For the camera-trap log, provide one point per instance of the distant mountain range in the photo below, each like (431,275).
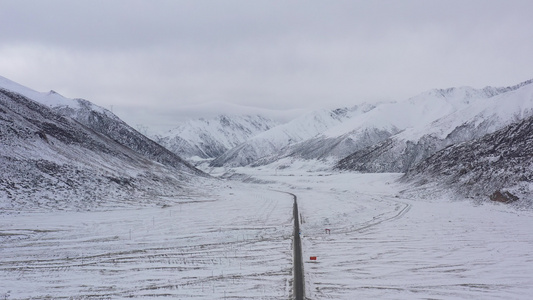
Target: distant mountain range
(295,138)
(210,138)
(384,137)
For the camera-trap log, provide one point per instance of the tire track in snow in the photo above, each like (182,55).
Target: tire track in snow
(401,213)
(190,251)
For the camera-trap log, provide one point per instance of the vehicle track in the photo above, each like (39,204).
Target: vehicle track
(378,220)
(186,251)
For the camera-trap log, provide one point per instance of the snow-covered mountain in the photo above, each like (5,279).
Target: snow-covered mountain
(336,141)
(383,137)
(50,160)
(276,142)
(333,135)
(210,138)
(480,112)
(498,166)
(102,121)
(376,124)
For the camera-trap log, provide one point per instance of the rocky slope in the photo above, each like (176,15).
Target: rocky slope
(51,161)
(104,122)
(486,111)
(498,166)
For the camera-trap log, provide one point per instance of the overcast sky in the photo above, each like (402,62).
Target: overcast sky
(158,62)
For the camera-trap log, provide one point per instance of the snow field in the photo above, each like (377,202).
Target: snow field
(234,246)
(419,251)
(384,247)
(237,245)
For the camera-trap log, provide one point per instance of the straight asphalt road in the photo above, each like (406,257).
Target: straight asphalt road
(298,264)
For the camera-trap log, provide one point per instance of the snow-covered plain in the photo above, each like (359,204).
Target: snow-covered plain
(237,244)
(382,246)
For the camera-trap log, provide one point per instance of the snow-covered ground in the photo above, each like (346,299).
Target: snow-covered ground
(237,245)
(382,246)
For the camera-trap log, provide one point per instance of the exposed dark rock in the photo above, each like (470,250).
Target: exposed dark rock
(504,197)
(501,161)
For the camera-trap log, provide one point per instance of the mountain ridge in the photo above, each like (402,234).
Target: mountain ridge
(210,138)
(358,130)
(104,122)
(278,140)
(482,116)
(51,161)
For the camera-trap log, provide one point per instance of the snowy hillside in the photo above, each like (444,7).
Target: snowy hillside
(51,161)
(497,166)
(337,141)
(210,138)
(102,121)
(375,124)
(386,137)
(276,142)
(479,112)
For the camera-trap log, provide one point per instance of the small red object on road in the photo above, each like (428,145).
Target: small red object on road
(312,258)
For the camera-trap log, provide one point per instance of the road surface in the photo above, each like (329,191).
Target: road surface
(298,265)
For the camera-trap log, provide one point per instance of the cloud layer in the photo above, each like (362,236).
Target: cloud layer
(154,61)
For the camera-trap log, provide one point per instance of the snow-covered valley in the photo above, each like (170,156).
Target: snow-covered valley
(235,242)
(90,208)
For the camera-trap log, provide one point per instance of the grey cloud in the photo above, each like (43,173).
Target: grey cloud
(158,56)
